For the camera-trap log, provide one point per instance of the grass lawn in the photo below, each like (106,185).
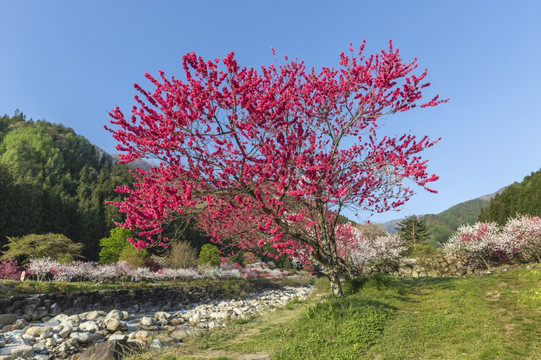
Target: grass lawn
(490,317)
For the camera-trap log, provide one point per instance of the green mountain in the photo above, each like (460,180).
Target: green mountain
(441,226)
(53,180)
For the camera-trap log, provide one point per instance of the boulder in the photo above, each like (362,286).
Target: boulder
(110,350)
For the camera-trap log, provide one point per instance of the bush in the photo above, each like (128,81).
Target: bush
(134,257)
(209,255)
(10,270)
(182,255)
(112,246)
(55,246)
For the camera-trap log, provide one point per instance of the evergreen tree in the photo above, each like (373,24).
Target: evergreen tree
(412,230)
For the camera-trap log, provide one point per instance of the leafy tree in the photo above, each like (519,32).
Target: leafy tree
(112,246)
(55,246)
(412,230)
(272,156)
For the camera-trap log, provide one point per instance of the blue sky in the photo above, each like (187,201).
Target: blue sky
(70,62)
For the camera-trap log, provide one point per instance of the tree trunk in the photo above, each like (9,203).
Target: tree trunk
(336,283)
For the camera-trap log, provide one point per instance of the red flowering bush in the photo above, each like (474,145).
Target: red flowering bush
(9,269)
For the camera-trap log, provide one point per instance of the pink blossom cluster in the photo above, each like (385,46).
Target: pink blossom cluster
(486,244)
(46,268)
(10,270)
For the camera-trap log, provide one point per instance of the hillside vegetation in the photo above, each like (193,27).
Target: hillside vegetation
(519,198)
(54,181)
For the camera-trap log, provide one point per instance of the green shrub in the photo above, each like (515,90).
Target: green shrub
(56,246)
(322,285)
(209,255)
(112,246)
(134,257)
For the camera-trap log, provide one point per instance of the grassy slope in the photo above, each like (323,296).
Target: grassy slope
(491,317)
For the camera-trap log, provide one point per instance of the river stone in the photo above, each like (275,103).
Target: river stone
(117,314)
(112,324)
(37,331)
(118,337)
(110,350)
(89,326)
(146,321)
(142,335)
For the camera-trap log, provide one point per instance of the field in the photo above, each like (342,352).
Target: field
(489,317)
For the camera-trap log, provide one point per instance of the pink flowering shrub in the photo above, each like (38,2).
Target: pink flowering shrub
(522,236)
(9,269)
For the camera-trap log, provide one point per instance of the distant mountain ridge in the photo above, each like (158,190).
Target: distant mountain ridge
(113,158)
(441,226)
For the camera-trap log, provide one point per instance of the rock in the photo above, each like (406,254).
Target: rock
(166,340)
(18,351)
(118,337)
(81,337)
(117,314)
(64,333)
(110,350)
(55,309)
(145,321)
(112,324)
(161,317)
(90,326)
(7,319)
(142,335)
(182,333)
(37,331)
(94,315)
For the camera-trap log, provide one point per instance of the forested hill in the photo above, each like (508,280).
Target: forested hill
(53,180)
(441,226)
(518,198)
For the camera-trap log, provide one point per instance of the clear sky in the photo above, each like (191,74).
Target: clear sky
(70,62)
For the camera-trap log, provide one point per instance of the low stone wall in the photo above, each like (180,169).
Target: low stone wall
(41,307)
(437,266)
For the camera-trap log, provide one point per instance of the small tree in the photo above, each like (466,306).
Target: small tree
(412,230)
(209,255)
(272,156)
(112,246)
(55,246)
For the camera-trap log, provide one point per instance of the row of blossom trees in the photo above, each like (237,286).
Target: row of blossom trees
(486,244)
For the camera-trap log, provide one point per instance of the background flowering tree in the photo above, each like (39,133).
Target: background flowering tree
(269,158)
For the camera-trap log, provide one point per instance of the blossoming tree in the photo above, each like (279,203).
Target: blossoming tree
(269,158)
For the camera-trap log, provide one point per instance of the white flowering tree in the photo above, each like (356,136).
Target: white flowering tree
(360,252)
(476,244)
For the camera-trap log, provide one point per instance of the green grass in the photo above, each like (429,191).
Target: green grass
(490,317)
